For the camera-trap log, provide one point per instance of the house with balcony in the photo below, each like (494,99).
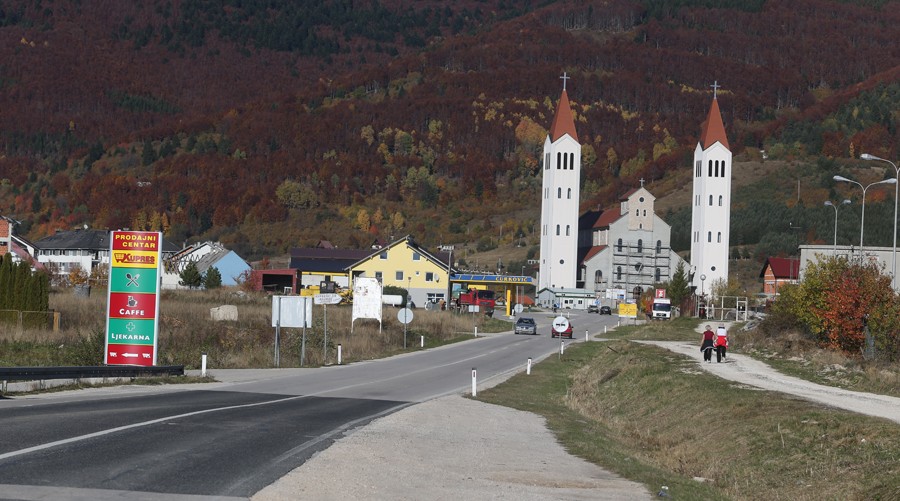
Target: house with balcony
(406,264)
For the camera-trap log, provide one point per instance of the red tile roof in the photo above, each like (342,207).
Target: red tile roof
(782,267)
(563,123)
(608,217)
(594,251)
(713,129)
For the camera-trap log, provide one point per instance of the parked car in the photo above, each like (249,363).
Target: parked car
(593,308)
(605,310)
(566,333)
(526,325)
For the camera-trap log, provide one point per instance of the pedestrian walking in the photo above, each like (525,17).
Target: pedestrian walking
(707,345)
(721,343)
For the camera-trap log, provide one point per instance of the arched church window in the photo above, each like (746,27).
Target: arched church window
(567,229)
(640,245)
(619,245)
(716,169)
(645,212)
(708,235)
(719,237)
(710,200)
(618,273)
(558,160)
(658,246)
(598,277)
(710,169)
(720,200)
(657,276)
(557,230)
(565,162)
(569,194)
(572,161)
(559,195)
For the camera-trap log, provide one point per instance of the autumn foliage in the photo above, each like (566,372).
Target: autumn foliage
(836,302)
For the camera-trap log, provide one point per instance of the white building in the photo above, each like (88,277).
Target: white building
(711,215)
(627,248)
(560,197)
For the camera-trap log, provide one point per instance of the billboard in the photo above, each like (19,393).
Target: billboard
(132,316)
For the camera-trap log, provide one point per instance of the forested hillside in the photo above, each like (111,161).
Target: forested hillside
(269,125)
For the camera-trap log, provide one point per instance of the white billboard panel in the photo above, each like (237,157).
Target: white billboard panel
(293,311)
(366,299)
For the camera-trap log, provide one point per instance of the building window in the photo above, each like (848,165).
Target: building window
(565,162)
(640,245)
(429,276)
(709,167)
(709,236)
(645,212)
(658,246)
(598,277)
(398,276)
(559,193)
(416,256)
(567,230)
(719,237)
(710,200)
(557,230)
(657,276)
(723,168)
(558,160)
(569,194)
(618,273)
(716,168)
(383,255)
(547,161)
(720,200)
(572,161)
(619,245)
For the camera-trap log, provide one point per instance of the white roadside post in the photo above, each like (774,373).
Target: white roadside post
(528,367)
(562,346)
(339,354)
(474,382)
(421,341)
(476,331)
(203,365)
(585,336)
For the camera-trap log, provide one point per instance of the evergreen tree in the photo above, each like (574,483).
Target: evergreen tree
(679,288)
(6,277)
(191,276)
(19,296)
(212,279)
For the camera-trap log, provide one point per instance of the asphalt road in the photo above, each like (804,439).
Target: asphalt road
(234,437)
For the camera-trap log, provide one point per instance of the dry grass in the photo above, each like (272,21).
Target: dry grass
(186,330)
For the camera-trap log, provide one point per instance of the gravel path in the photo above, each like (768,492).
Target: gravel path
(448,449)
(746,370)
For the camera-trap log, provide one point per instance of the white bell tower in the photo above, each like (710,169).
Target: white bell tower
(560,199)
(711,214)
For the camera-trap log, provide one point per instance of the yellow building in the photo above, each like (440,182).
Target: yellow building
(405,264)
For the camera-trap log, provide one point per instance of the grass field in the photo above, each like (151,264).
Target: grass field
(654,417)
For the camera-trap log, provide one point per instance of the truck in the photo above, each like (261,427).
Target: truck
(661,309)
(484,299)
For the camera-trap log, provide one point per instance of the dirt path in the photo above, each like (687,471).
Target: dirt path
(746,370)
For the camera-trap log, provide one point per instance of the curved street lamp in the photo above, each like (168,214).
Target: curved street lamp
(835,207)
(862,220)
(866,156)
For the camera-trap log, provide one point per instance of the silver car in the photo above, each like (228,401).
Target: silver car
(526,325)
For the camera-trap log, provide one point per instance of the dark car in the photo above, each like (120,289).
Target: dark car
(566,333)
(526,325)
(593,308)
(605,310)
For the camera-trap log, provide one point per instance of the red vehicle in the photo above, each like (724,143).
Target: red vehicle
(566,333)
(484,299)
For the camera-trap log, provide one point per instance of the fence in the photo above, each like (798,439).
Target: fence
(24,320)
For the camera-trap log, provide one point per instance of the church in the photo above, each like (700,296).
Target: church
(615,254)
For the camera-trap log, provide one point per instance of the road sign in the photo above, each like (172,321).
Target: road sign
(627,310)
(405,316)
(560,324)
(133,298)
(519,309)
(327,298)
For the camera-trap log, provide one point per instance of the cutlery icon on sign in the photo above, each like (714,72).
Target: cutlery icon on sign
(132,280)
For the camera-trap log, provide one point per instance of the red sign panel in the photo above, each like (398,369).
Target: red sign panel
(660,293)
(124,305)
(129,354)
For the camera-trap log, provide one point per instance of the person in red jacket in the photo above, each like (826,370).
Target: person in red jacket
(707,346)
(721,342)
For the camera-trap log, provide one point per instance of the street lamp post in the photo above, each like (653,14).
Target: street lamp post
(866,156)
(835,207)
(862,220)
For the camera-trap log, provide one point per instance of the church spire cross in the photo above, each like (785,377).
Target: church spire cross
(642,182)
(715,86)
(564,78)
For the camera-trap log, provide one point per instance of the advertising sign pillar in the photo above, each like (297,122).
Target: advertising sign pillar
(133,299)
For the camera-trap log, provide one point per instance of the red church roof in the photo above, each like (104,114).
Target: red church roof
(563,123)
(713,129)
(782,267)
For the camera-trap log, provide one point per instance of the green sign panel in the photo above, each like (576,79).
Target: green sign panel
(131,331)
(133,280)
